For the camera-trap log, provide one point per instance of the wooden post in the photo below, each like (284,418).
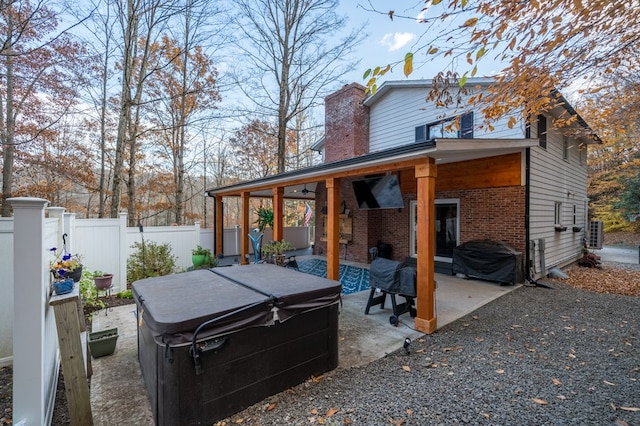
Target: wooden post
(425,320)
(244,230)
(73,353)
(333,228)
(219,225)
(278,207)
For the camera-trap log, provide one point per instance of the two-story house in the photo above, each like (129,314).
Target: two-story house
(395,172)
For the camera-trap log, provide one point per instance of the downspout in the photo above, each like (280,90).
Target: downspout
(215,224)
(527,241)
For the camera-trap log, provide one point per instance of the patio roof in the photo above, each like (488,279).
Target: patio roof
(393,159)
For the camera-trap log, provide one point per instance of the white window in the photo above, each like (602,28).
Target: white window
(565,149)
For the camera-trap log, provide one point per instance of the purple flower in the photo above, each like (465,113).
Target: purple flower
(66,257)
(53,249)
(62,272)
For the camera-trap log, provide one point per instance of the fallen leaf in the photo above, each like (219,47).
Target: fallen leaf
(238,421)
(556,382)
(347,421)
(539,401)
(571,356)
(271,406)
(486,415)
(311,419)
(399,422)
(501,371)
(479,339)
(561,397)
(332,411)
(406,368)
(608,383)
(314,411)
(621,423)
(635,409)
(320,421)
(419,351)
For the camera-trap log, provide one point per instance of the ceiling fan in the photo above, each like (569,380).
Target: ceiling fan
(305,191)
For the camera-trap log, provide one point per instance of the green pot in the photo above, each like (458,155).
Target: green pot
(200,259)
(102,343)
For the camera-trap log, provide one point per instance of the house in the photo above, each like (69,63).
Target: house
(524,185)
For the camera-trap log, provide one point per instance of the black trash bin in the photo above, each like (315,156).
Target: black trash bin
(213,342)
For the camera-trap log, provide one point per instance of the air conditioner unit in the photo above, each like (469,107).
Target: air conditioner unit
(596,234)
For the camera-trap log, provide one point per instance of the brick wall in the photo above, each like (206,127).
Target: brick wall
(492,213)
(346,123)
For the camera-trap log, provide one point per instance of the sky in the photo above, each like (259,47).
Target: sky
(389,40)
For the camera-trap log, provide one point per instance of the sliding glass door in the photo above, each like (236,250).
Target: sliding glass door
(447,229)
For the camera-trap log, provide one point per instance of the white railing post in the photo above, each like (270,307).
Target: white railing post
(29,299)
(122,279)
(196,237)
(58,213)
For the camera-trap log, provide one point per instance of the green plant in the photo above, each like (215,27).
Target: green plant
(88,291)
(277,247)
(201,251)
(150,259)
(127,294)
(265,218)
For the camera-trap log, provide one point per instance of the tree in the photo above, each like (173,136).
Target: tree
(40,76)
(290,59)
(544,45)
(253,148)
(187,91)
(141,23)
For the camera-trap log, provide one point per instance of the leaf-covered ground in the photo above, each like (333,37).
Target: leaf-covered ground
(611,279)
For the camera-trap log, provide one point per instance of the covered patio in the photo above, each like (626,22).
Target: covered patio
(417,161)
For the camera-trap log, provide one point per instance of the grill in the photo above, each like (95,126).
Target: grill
(393,278)
(488,260)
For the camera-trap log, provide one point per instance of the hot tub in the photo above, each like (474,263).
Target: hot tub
(212,342)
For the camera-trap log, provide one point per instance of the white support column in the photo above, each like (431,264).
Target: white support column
(121,282)
(29,299)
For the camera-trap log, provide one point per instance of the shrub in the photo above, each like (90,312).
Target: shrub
(88,290)
(150,260)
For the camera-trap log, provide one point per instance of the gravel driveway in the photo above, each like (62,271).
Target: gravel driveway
(535,356)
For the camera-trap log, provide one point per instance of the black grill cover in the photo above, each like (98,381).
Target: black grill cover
(390,276)
(488,260)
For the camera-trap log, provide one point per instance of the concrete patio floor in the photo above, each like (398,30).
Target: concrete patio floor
(118,395)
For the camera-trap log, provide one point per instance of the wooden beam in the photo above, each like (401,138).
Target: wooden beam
(278,207)
(425,320)
(333,228)
(355,171)
(219,226)
(244,230)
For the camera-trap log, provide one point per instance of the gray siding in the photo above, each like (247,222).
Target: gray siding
(553,179)
(395,116)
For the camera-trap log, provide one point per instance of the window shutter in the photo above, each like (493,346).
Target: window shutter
(466,126)
(421,133)
(542,130)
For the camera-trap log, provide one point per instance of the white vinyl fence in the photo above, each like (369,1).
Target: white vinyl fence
(105,245)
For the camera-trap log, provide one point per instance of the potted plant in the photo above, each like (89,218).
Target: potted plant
(102,280)
(65,265)
(201,256)
(103,343)
(276,249)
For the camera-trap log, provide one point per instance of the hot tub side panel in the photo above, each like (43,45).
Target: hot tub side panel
(253,364)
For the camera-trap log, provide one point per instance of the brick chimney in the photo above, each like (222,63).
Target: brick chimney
(346,123)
